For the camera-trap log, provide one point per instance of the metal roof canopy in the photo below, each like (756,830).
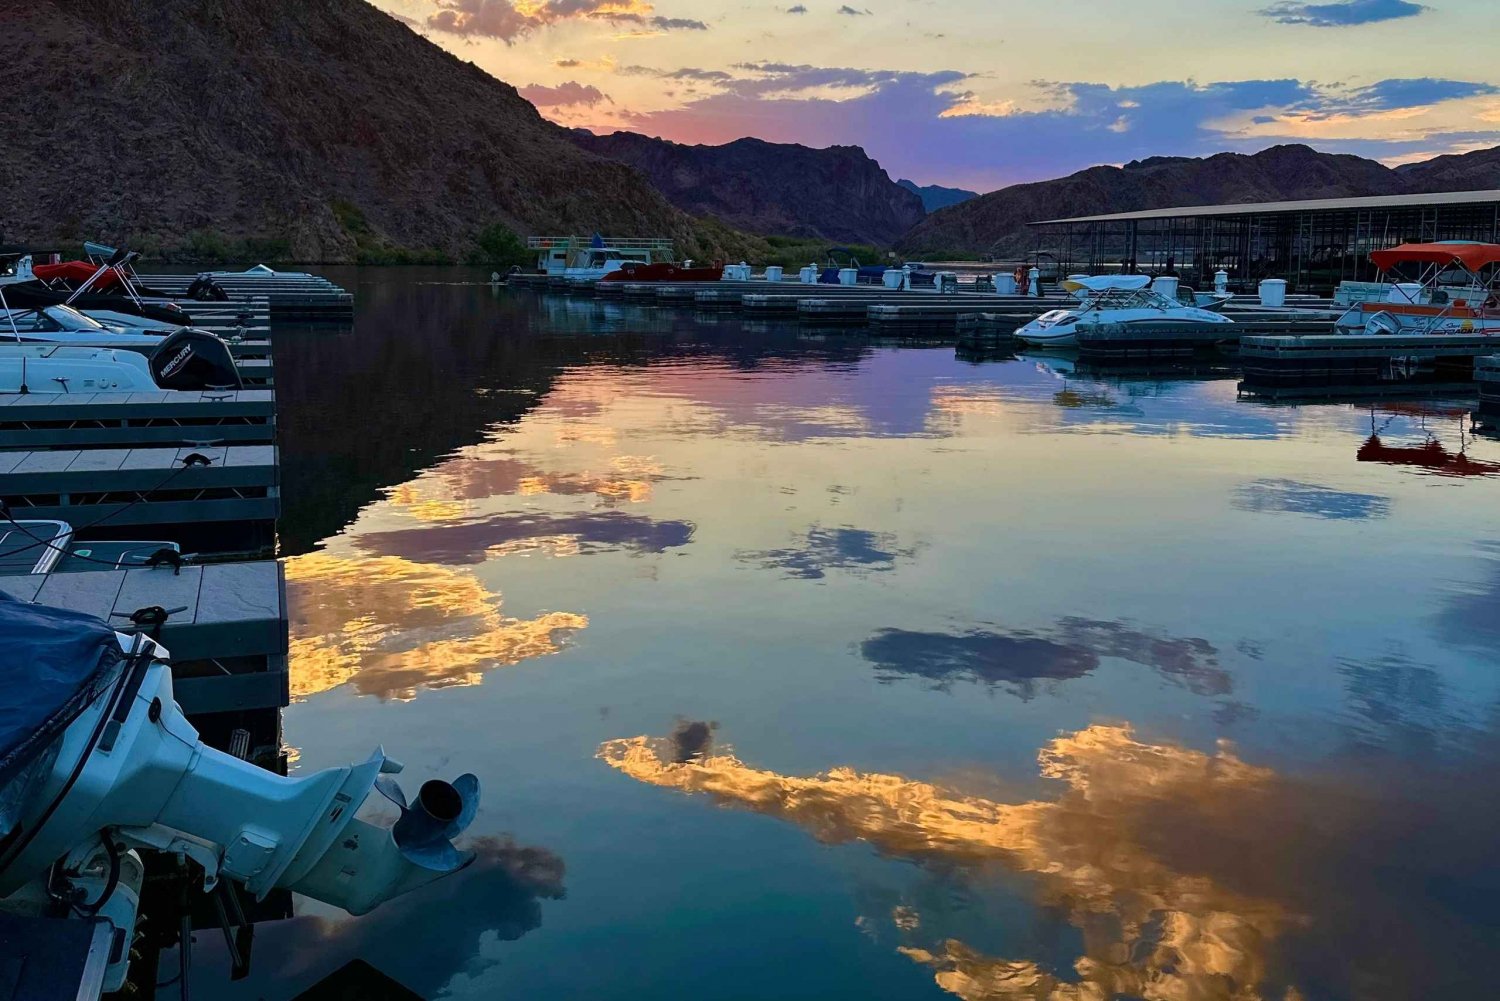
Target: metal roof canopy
(1303,205)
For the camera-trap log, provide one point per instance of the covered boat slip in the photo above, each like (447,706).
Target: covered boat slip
(215,497)
(228,643)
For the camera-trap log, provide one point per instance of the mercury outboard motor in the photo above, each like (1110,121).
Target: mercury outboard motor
(194,359)
(205,289)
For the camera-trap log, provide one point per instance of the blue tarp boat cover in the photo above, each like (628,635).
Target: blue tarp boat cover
(54,663)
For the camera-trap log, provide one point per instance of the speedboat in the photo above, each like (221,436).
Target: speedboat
(41,547)
(595,263)
(661,271)
(1455,292)
(187,359)
(1142,308)
(101,775)
(65,325)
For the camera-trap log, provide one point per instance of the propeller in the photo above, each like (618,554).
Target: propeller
(425,830)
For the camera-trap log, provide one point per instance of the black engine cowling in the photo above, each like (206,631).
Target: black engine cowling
(194,359)
(205,289)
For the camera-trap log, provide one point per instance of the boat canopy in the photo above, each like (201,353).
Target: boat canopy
(1471,255)
(56,662)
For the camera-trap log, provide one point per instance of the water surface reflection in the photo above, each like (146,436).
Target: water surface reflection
(520,526)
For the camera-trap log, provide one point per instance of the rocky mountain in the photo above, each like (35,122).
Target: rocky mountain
(935,196)
(1476,171)
(781,189)
(996,222)
(322,130)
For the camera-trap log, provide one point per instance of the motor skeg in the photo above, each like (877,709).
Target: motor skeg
(194,359)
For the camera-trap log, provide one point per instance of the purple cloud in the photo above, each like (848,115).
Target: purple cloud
(852,12)
(929,125)
(568,93)
(1341,15)
(501,19)
(799,9)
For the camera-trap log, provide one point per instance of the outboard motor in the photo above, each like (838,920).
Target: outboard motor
(205,289)
(194,359)
(98,764)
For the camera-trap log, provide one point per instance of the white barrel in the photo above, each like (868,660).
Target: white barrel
(808,275)
(1221,281)
(773,273)
(1034,282)
(1166,285)
(1273,293)
(1005,284)
(894,278)
(848,276)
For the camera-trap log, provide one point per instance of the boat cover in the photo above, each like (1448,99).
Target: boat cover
(78,272)
(1471,255)
(55,663)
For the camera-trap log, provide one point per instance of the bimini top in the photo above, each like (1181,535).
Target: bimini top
(1471,255)
(55,663)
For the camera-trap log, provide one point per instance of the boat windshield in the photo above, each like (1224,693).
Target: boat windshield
(1129,298)
(71,319)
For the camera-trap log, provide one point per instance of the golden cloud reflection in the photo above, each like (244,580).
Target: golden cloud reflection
(1149,930)
(391,626)
(444,494)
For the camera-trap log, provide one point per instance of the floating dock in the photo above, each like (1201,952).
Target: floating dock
(1487,374)
(288,295)
(228,643)
(1416,361)
(164,488)
(165,417)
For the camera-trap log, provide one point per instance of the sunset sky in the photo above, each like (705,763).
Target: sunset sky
(984,93)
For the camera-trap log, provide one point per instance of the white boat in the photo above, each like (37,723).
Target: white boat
(1457,291)
(578,258)
(99,768)
(187,359)
(65,325)
(1082,287)
(1139,307)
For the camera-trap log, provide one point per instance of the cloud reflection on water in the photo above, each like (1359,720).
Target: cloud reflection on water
(1149,930)
(1019,659)
(1293,497)
(392,627)
(423,939)
(472,541)
(855,550)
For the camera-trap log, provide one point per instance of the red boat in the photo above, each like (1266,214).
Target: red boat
(635,271)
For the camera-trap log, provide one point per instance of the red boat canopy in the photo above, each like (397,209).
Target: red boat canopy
(1471,255)
(76,273)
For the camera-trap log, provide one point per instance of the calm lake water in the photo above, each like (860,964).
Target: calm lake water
(803,666)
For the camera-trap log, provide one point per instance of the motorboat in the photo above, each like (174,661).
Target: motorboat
(1454,292)
(579,258)
(187,359)
(661,271)
(102,777)
(44,546)
(105,307)
(1081,287)
(61,324)
(1142,308)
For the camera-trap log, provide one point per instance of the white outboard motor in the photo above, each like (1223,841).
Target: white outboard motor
(105,764)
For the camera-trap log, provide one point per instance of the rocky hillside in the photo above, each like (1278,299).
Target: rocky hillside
(935,196)
(780,189)
(996,222)
(320,130)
